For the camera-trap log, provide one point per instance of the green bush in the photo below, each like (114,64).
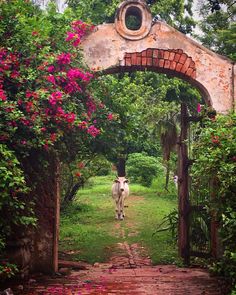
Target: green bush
(215,162)
(142,168)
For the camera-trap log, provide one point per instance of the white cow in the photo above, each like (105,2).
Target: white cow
(120,190)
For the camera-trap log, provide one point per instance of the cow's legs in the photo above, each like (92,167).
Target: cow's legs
(117,209)
(122,213)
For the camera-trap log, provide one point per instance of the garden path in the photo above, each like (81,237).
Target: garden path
(129,271)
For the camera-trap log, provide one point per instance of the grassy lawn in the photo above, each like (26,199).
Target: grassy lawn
(89,232)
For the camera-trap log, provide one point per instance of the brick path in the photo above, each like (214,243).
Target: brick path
(129,272)
(104,279)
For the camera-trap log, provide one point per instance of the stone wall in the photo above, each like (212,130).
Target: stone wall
(35,249)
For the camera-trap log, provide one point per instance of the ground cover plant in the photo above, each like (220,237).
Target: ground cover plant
(88,226)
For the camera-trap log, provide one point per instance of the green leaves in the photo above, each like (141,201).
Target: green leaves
(215,160)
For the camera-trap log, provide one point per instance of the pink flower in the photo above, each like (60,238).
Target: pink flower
(63,58)
(72,87)
(15,74)
(35,33)
(70,36)
(51,69)
(28,106)
(55,97)
(70,117)
(76,73)
(53,137)
(91,106)
(51,79)
(3,96)
(78,174)
(110,117)
(93,131)
(198,108)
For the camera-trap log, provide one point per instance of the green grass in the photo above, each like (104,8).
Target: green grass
(88,229)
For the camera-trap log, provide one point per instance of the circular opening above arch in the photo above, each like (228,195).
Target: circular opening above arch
(133,20)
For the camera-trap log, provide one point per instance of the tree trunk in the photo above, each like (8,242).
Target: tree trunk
(121,167)
(71,195)
(167,175)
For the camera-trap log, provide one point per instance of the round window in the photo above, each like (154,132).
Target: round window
(133,18)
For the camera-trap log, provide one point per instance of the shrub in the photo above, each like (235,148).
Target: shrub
(142,168)
(215,154)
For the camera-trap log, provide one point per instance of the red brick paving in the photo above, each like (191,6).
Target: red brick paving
(129,272)
(158,280)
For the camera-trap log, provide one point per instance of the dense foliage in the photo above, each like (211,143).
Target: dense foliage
(143,168)
(43,103)
(214,179)
(218,27)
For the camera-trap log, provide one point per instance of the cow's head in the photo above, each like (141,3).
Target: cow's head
(121,181)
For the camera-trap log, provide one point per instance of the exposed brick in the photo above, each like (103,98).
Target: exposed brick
(192,64)
(177,57)
(167,64)
(193,75)
(178,67)
(161,54)
(149,53)
(128,61)
(139,54)
(186,65)
(149,61)
(155,62)
(180,51)
(172,56)
(173,65)
(161,63)
(183,58)
(189,72)
(139,61)
(144,53)
(144,61)
(155,53)
(134,59)
(166,54)
(127,55)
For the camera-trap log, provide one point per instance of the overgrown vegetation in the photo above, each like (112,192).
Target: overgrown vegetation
(214,179)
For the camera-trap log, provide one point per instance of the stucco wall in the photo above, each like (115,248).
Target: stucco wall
(105,50)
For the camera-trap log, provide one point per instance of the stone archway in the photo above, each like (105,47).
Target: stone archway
(158,47)
(153,46)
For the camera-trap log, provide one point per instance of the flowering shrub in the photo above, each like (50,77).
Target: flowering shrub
(7,270)
(43,102)
(215,153)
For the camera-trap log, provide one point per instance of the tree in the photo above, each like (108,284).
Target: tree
(218,27)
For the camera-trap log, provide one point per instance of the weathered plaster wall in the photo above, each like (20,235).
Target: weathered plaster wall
(105,50)
(35,249)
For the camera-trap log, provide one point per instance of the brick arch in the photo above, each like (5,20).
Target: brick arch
(173,62)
